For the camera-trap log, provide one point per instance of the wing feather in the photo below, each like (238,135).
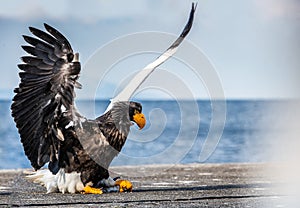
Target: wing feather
(43,35)
(38,44)
(141,76)
(48,77)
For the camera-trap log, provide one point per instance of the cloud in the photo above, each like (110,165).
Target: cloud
(87,12)
(60,10)
(273,10)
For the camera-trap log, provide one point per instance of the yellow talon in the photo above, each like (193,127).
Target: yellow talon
(91,190)
(124,185)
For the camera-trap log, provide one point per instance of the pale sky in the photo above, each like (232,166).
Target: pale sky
(253,45)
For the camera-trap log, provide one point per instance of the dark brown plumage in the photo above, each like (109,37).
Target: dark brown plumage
(50,127)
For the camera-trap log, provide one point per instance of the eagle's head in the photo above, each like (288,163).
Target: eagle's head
(124,113)
(136,115)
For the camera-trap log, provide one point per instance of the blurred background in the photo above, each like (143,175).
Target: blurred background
(254,44)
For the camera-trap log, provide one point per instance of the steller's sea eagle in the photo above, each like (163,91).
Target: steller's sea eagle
(78,150)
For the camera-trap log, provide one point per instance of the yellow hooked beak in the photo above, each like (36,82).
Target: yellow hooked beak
(140,120)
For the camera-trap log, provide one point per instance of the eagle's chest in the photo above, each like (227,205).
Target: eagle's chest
(94,150)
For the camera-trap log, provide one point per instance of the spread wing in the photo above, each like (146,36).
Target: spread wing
(45,94)
(141,76)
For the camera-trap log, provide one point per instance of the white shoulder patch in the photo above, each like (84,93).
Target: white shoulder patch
(63,108)
(69,125)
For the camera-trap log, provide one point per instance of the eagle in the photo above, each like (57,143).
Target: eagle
(77,150)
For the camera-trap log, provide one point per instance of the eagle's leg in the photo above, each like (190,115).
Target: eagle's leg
(90,190)
(124,185)
(115,185)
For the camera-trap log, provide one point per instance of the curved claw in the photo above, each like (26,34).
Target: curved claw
(124,185)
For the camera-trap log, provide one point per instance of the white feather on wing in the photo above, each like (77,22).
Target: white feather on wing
(141,76)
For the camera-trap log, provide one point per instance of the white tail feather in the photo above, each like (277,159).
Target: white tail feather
(62,182)
(45,178)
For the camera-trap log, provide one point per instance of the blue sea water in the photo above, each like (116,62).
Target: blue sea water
(176,132)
